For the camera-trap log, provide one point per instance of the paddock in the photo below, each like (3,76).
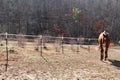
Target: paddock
(27,63)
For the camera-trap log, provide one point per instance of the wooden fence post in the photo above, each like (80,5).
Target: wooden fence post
(62,45)
(89,45)
(41,44)
(6,38)
(78,45)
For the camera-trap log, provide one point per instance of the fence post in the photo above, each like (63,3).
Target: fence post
(62,45)
(41,44)
(78,44)
(6,38)
(89,44)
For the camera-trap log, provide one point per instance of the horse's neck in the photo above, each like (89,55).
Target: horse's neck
(107,38)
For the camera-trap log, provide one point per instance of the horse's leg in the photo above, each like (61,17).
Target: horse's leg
(102,55)
(102,50)
(106,51)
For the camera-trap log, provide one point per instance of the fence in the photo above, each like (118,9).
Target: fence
(44,44)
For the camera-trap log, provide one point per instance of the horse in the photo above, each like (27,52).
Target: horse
(104,38)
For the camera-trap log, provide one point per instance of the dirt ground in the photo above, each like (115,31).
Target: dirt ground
(27,64)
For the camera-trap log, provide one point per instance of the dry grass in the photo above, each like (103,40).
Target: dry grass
(28,64)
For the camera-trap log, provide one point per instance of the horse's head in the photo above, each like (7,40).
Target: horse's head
(105,34)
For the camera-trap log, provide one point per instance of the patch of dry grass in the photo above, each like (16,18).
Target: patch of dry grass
(28,64)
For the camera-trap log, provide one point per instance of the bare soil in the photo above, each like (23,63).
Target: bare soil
(29,64)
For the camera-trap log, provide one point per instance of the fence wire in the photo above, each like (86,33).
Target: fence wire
(41,44)
(46,43)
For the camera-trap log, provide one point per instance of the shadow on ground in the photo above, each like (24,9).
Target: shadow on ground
(115,63)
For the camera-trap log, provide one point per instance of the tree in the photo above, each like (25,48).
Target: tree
(33,16)
(76,13)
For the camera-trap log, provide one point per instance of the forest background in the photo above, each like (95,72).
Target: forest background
(71,18)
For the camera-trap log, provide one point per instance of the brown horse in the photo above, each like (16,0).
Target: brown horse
(104,38)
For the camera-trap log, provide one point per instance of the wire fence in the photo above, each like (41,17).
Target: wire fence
(43,44)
